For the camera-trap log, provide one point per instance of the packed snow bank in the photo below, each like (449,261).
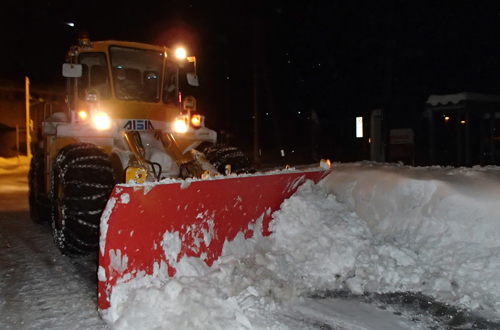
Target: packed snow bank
(14,164)
(435,230)
(366,228)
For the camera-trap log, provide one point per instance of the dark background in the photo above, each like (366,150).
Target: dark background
(339,58)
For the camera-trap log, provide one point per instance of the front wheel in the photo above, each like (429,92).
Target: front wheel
(220,156)
(82,181)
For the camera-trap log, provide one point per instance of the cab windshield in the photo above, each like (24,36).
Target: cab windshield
(137,73)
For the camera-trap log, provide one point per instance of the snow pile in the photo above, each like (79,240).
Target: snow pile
(14,164)
(238,287)
(435,230)
(366,227)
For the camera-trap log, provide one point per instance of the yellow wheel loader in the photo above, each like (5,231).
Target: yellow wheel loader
(129,117)
(131,171)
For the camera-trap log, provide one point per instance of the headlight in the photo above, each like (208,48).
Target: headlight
(180,53)
(196,120)
(82,114)
(180,125)
(101,121)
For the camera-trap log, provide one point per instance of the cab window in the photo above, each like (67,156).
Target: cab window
(171,85)
(95,75)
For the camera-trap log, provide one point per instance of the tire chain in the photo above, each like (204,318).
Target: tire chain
(82,241)
(220,155)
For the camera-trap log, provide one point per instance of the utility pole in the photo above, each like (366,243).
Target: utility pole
(28,130)
(256,147)
(256,153)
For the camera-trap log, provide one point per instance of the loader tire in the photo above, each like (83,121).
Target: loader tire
(82,181)
(38,200)
(220,156)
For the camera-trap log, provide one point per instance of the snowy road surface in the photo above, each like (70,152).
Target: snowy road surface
(41,289)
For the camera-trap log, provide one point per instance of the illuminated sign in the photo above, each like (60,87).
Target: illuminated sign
(359,127)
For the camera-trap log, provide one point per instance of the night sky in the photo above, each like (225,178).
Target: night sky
(338,58)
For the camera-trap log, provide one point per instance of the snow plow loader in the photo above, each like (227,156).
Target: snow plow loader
(131,162)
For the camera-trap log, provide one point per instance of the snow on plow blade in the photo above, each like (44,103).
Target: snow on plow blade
(204,213)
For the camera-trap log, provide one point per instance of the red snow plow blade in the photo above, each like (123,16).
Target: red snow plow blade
(137,217)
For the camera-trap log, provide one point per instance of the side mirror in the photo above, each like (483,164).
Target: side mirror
(192,79)
(72,70)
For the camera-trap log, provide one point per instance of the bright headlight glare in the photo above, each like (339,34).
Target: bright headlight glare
(180,125)
(101,121)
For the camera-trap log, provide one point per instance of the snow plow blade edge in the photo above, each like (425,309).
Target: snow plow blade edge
(204,213)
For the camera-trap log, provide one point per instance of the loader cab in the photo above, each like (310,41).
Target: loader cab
(129,80)
(133,74)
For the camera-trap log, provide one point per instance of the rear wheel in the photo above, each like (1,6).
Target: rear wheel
(82,182)
(38,200)
(220,156)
